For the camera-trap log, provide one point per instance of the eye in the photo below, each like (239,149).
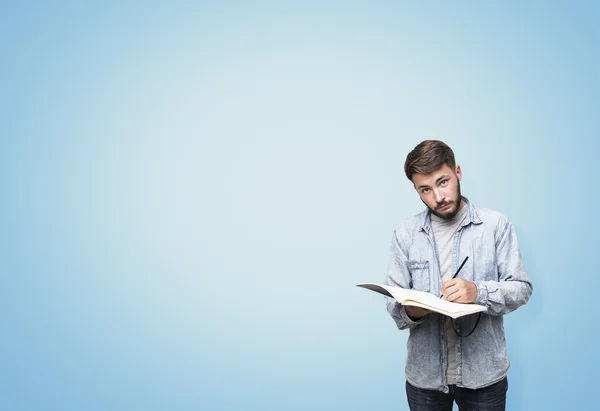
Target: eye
(443,182)
(424,191)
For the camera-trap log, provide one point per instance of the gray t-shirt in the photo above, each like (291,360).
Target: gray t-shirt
(443,231)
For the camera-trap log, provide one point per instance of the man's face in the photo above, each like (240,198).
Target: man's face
(440,190)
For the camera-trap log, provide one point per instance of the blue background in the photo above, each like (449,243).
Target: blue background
(191,191)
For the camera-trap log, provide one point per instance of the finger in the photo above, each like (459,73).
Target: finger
(448,284)
(460,296)
(453,294)
(455,298)
(451,288)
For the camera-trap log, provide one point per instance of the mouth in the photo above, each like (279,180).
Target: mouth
(444,206)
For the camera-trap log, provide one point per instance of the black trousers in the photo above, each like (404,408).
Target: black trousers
(491,398)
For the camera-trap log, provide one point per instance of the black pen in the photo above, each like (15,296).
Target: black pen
(458,271)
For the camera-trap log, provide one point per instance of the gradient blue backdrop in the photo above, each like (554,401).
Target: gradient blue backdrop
(191,191)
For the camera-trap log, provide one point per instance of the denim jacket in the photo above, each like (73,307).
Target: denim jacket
(494,265)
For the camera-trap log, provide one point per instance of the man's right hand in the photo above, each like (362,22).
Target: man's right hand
(415,313)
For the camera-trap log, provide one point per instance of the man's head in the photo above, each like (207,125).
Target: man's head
(436,177)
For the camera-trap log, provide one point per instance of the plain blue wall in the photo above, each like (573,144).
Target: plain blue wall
(191,191)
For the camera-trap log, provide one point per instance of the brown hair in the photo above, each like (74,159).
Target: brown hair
(427,157)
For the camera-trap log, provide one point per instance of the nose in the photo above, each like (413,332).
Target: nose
(438,196)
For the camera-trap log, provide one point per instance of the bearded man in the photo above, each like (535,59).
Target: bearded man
(464,360)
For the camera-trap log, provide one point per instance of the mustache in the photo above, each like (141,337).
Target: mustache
(442,205)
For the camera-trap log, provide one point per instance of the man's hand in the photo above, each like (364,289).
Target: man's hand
(415,313)
(459,290)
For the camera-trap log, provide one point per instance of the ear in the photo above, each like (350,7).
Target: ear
(458,173)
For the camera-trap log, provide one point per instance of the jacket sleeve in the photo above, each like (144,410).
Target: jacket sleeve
(513,289)
(398,276)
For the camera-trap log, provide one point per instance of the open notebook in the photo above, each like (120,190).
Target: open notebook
(424,300)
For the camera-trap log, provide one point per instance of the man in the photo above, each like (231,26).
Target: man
(461,360)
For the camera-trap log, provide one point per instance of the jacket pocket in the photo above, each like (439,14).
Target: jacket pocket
(419,273)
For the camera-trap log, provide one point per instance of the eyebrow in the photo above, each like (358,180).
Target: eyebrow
(440,178)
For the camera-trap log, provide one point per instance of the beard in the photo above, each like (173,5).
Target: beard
(450,211)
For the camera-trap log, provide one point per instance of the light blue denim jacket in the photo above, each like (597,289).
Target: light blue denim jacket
(494,265)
